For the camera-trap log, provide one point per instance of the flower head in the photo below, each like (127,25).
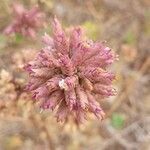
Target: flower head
(25,22)
(68,72)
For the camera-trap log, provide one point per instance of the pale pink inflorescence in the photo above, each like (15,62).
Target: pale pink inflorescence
(68,72)
(25,22)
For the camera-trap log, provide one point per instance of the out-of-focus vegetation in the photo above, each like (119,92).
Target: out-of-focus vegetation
(126,27)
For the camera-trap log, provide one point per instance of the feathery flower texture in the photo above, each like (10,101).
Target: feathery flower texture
(68,72)
(25,22)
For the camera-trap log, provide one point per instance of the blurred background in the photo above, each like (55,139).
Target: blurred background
(125,25)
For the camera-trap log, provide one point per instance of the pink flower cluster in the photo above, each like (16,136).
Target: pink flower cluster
(25,22)
(68,72)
